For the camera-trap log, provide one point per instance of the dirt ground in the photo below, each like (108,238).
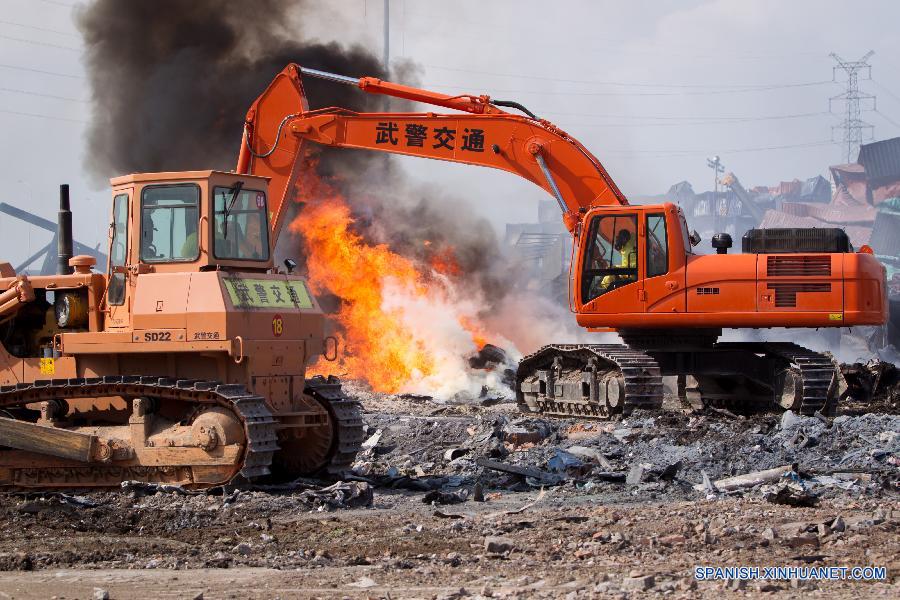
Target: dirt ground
(589,533)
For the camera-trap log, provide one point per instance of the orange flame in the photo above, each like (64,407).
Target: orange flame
(379,343)
(444,262)
(476,329)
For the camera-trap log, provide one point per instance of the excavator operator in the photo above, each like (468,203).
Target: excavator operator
(625,246)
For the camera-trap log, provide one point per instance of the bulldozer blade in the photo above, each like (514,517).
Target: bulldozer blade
(50,441)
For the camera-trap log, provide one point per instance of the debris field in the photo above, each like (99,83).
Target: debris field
(477,500)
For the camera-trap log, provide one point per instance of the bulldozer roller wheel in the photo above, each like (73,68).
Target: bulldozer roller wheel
(329,448)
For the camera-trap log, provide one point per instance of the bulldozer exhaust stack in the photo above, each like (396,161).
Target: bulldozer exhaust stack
(64,243)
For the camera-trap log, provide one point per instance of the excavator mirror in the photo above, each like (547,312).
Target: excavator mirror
(290,264)
(695,238)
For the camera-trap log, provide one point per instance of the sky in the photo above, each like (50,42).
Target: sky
(651,88)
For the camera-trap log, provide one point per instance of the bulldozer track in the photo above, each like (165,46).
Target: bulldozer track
(347,418)
(257,420)
(641,378)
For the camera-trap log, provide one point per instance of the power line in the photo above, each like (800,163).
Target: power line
(675,153)
(59,3)
(38,43)
(724,119)
(651,125)
(618,45)
(688,93)
(685,120)
(28,93)
(887,118)
(885,90)
(624,84)
(35,28)
(53,118)
(30,70)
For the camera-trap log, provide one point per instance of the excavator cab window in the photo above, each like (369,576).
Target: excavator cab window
(611,257)
(115,294)
(241,226)
(657,245)
(686,237)
(170,217)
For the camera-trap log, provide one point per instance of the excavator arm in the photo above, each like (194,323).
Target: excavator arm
(279,122)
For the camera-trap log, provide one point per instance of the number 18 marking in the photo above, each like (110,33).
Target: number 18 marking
(277,325)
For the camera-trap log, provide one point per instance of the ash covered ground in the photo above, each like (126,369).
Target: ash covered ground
(476,500)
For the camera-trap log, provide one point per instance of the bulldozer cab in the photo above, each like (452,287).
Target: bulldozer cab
(185,221)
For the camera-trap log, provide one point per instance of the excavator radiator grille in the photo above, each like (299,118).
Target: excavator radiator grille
(786,293)
(799,266)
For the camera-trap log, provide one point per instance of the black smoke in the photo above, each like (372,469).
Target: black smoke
(172,81)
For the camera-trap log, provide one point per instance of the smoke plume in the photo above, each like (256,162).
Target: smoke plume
(172,80)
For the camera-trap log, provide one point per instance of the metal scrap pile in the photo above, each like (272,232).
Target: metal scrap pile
(874,385)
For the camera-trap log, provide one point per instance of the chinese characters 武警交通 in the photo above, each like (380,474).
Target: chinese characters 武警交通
(415,135)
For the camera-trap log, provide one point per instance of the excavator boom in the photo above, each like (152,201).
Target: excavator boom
(279,122)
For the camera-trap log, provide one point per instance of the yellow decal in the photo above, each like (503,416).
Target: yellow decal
(48,366)
(267,293)
(835,317)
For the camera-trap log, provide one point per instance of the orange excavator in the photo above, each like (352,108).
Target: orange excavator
(634,269)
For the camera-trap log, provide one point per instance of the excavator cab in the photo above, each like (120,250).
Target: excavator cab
(632,260)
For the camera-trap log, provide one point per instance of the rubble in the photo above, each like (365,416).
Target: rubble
(343,494)
(100,594)
(537,475)
(749,479)
(875,383)
(639,583)
(499,545)
(429,490)
(591,454)
(790,493)
(439,497)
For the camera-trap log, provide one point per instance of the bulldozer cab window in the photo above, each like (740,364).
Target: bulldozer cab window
(611,257)
(657,246)
(169,220)
(241,224)
(118,245)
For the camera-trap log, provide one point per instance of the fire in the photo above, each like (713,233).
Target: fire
(444,261)
(405,326)
(478,332)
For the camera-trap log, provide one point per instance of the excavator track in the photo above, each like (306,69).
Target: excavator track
(594,381)
(347,417)
(805,381)
(251,410)
(603,381)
